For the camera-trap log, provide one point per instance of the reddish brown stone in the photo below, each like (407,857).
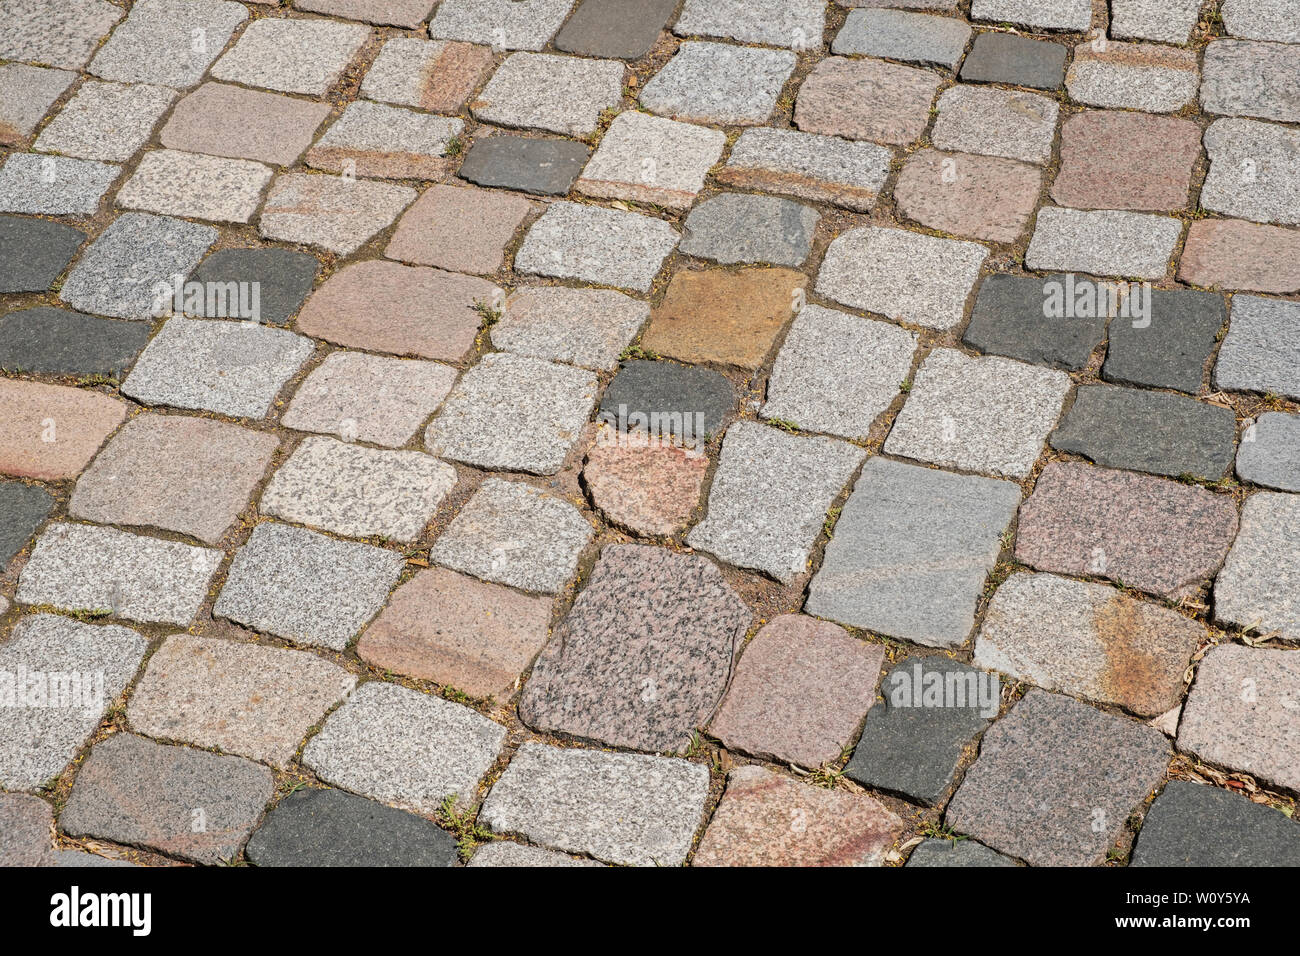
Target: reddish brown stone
(406,310)
(644,484)
(866,99)
(1230,254)
(50,431)
(26,823)
(1118,160)
(435,75)
(461,229)
(224,120)
(716,315)
(456,630)
(983,197)
(1145,532)
(800,692)
(766,819)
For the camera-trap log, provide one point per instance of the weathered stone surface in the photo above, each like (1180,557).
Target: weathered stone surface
(315,828)
(105,121)
(63,34)
(799,692)
(283,278)
(561,94)
(458,229)
(53,185)
(646,485)
(1138,76)
(719,83)
(244,699)
(57,342)
(1117,160)
(740,228)
(1015,60)
(621,808)
(752,825)
(1013,316)
(808,166)
(23,509)
(643,657)
(866,99)
(1253,171)
(49,431)
(1241,78)
(649,159)
(398,13)
(1194,825)
(435,75)
(373,139)
(134,791)
(330,212)
(505,24)
(504,853)
(1056,780)
(515,534)
(34,252)
(621,29)
(1088,640)
(770,496)
(26,822)
(793,23)
(992,122)
(585,327)
(1171,350)
(405,748)
(1151,534)
(304,55)
(897,35)
(666,400)
(1269,453)
(231,121)
(156,43)
(1274,20)
(1241,714)
(1103,243)
(967,853)
(1230,254)
(454,630)
(1169,21)
(598,245)
(1257,586)
(1072,15)
(73,672)
(306,587)
(982,197)
(902,565)
(547,167)
(173,183)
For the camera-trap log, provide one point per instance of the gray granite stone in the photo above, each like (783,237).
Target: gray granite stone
(1276,20)
(73,673)
(333,213)
(968,853)
(1257,587)
(1243,78)
(737,227)
(34,252)
(282,278)
(1138,76)
(598,245)
(770,496)
(306,587)
(1072,15)
(1269,454)
(719,83)
(1254,171)
(808,166)
(375,139)
(174,183)
(547,167)
(560,94)
(106,121)
(53,185)
(504,853)
(910,552)
(684,402)
(63,34)
(26,822)
(1170,347)
(1169,21)
(620,808)
(313,827)
(1016,61)
(1261,352)
(1148,431)
(649,159)
(1012,124)
(1103,243)
(1194,825)
(899,35)
(1016,316)
(618,29)
(304,55)
(57,342)
(405,748)
(502,24)
(168,42)
(797,24)
(76,858)
(23,508)
(912,742)
(585,327)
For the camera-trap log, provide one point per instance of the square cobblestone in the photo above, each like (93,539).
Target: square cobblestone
(1173,350)
(54,185)
(719,83)
(619,29)
(899,35)
(1262,80)
(593,244)
(992,122)
(981,197)
(460,229)
(1253,171)
(397,13)
(34,252)
(26,95)
(1269,453)
(1261,352)
(736,228)
(645,484)
(1016,61)
(372,139)
(23,509)
(791,23)
(1112,160)
(936,851)
(27,822)
(1104,243)
(1011,317)
(866,99)
(1257,586)
(283,278)
(195,186)
(561,94)
(330,212)
(501,24)
(808,166)
(292,56)
(1169,21)
(81,421)
(158,42)
(1274,20)
(665,400)
(1194,825)
(652,160)
(1140,76)
(585,327)
(63,34)
(1074,16)
(547,167)
(106,121)
(231,121)
(434,75)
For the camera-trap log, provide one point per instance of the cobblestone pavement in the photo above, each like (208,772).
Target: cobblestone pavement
(712,432)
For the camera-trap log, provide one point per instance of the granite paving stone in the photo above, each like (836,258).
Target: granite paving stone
(26,822)
(1169,21)
(34,252)
(985,414)
(719,83)
(54,185)
(1103,243)
(680,402)
(866,99)
(436,75)
(944,6)
(1015,316)
(837,373)
(768,819)
(1088,640)
(900,35)
(1056,780)
(404,748)
(1138,76)
(388,142)
(175,473)
(981,197)
(791,23)
(1274,20)
(1243,78)
(1015,60)
(406,310)
(621,808)
(1152,534)
(547,167)
(133,791)
(313,827)
(741,228)
(1230,254)
(593,244)
(306,587)
(1242,714)
(1270,452)
(799,692)
(1012,124)
(1194,825)
(808,166)
(243,699)
(330,212)
(224,120)
(451,629)
(515,534)
(560,94)
(504,853)
(1171,350)
(1074,16)
(23,509)
(900,564)
(282,278)
(26,95)
(76,858)
(397,13)
(73,672)
(120,274)
(649,485)
(905,276)
(192,185)
(291,56)
(723,316)
(643,657)
(369,398)
(158,42)
(57,342)
(501,24)
(358,492)
(652,160)
(63,34)
(1254,171)
(770,496)
(932,710)
(939,852)
(479,423)
(50,432)
(618,29)
(232,368)
(1141,430)
(460,229)
(1261,351)
(1117,160)
(1257,586)
(77,567)
(106,121)
(585,327)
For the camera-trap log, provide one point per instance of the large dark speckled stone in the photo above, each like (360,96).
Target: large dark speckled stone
(1194,825)
(58,342)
